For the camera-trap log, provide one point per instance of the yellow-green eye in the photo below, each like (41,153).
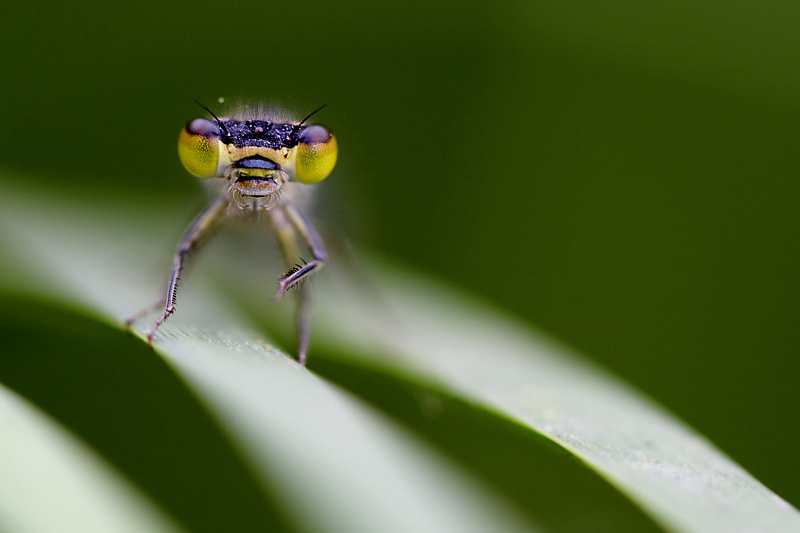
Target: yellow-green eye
(316,154)
(198,147)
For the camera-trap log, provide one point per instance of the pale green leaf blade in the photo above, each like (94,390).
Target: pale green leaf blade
(432,336)
(50,481)
(487,358)
(333,463)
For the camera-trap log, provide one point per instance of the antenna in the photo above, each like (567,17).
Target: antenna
(317,110)
(221,125)
(294,131)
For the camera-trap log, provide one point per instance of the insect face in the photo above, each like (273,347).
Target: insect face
(257,156)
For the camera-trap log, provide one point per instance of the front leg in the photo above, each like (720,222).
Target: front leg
(312,239)
(286,231)
(201,227)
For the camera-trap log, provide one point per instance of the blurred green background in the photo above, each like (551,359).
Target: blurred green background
(623,175)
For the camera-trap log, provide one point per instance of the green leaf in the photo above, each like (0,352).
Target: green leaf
(50,481)
(485,357)
(334,463)
(308,441)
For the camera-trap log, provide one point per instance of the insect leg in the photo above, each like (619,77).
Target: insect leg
(314,243)
(286,234)
(303,324)
(201,227)
(289,222)
(286,238)
(143,313)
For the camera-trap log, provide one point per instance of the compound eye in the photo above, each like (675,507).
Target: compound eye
(316,154)
(198,147)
